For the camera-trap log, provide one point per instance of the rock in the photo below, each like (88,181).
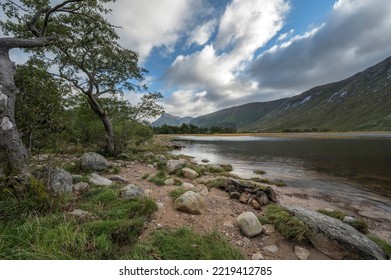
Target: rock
(93,161)
(98,180)
(131,191)
(229,224)
(81,187)
(150,166)
(160,205)
(169,182)
(161,158)
(335,238)
(60,180)
(249,224)
(148,192)
(214,168)
(189,173)
(173,165)
(187,185)
(271,249)
(234,195)
(80,215)
(269,229)
(256,205)
(349,220)
(244,197)
(204,190)
(246,242)
(301,253)
(190,202)
(257,257)
(149,155)
(205,160)
(117,178)
(262,199)
(271,194)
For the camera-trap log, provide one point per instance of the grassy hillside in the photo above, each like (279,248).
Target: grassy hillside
(239,116)
(361,102)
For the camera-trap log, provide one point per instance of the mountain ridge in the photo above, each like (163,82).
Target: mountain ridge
(360,102)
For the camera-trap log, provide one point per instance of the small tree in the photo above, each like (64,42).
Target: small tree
(91,59)
(30,26)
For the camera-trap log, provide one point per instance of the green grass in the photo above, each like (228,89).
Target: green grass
(358,224)
(185,244)
(159,178)
(216,183)
(384,245)
(334,214)
(177,193)
(145,176)
(278,183)
(289,226)
(51,233)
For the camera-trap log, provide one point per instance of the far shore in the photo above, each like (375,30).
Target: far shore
(307,135)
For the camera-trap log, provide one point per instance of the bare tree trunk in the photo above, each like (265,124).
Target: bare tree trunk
(95,106)
(15,152)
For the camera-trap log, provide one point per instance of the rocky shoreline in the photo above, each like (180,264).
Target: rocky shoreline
(213,199)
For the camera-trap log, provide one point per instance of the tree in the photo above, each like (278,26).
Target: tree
(29,23)
(40,105)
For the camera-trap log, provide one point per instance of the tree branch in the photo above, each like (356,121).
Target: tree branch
(32,23)
(53,10)
(10,43)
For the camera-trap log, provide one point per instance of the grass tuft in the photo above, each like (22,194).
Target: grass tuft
(185,244)
(384,245)
(159,178)
(177,193)
(288,225)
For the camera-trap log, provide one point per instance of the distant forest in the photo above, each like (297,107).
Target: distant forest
(192,129)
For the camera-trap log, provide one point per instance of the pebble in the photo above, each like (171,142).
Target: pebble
(271,249)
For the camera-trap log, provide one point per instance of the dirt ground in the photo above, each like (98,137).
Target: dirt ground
(220,215)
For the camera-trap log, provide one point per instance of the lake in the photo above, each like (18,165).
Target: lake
(357,167)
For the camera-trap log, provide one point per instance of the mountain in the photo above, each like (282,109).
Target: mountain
(361,102)
(170,120)
(238,116)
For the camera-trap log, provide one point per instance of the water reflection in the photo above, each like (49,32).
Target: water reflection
(327,164)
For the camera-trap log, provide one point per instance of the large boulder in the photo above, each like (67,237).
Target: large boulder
(98,180)
(190,202)
(249,224)
(174,164)
(60,180)
(335,238)
(93,161)
(132,191)
(189,173)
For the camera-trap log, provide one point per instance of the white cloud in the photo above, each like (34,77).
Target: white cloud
(216,70)
(153,23)
(354,37)
(201,34)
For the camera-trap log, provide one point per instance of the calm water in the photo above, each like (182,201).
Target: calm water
(356,167)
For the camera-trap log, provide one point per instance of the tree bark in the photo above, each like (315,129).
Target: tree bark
(95,106)
(15,152)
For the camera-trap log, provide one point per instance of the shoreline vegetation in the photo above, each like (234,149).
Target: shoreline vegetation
(130,210)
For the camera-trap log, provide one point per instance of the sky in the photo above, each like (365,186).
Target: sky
(206,55)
